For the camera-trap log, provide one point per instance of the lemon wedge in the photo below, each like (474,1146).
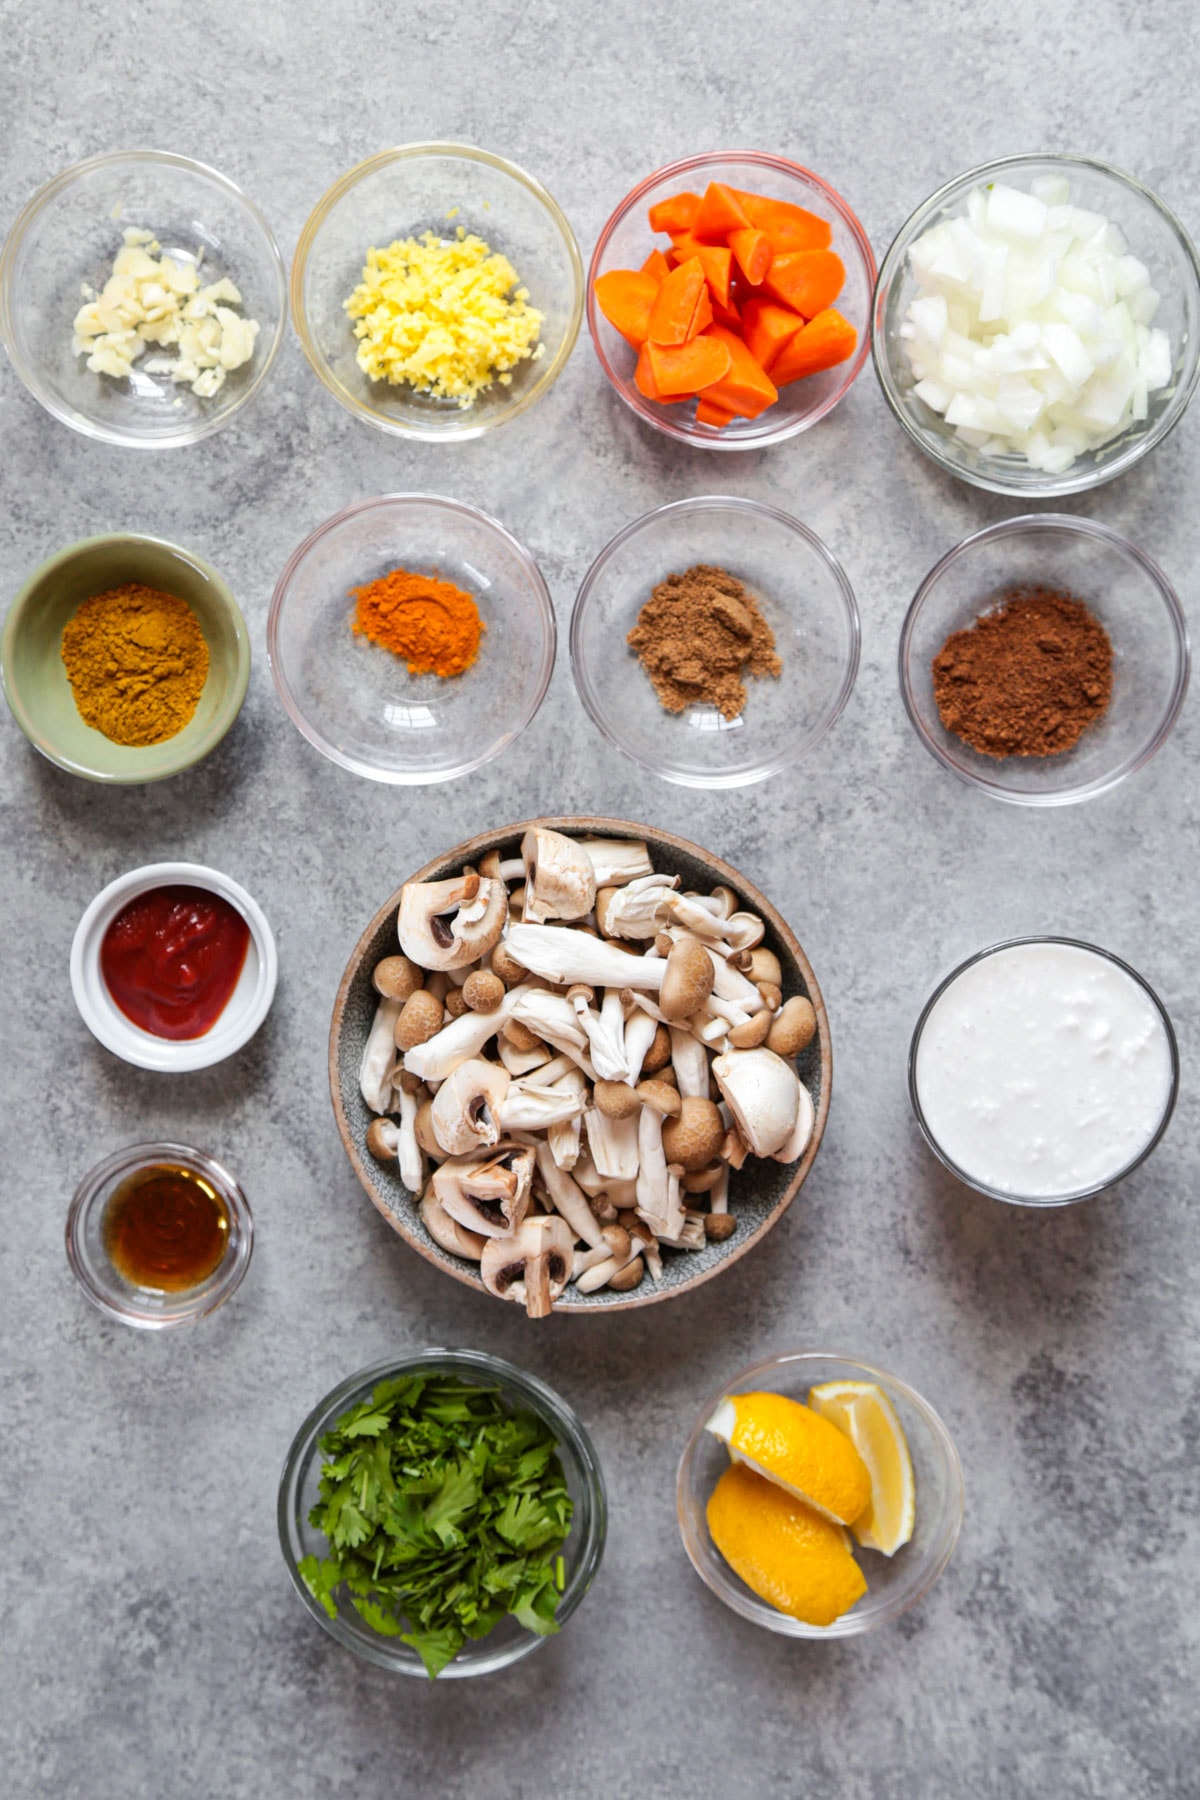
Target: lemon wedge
(863,1411)
(785,1552)
(793,1446)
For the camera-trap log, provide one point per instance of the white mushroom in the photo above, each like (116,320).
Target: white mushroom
(408,1151)
(615,861)
(633,911)
(639,1035)
(690,1063)
(531,1266)
(795,1146)
(521,1062)
(552,1017)
(447,924)
(568,1197)
(379,1058)
(467,1105)
(605,1032)
(613,1144)
(460,1040)
(656,1204)
(532,1104)
(565,956)
(563,1135)
(763,1094)
(447,1231)
(487,1194)
(560,882)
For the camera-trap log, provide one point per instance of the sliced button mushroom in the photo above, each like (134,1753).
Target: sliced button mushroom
(763,1093)
(802,1130)
(488,1195)
(531,1266)
(614,861)
(448,924)
(447,1232)
(466,1107)
(560,882)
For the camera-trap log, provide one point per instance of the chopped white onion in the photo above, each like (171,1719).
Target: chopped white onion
(1030,332)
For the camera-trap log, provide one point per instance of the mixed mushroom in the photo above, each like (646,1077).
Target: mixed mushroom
(568,1057)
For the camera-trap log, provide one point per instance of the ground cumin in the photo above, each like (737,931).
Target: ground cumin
(696,637)
(1027,678)
(137,663)
(432,624)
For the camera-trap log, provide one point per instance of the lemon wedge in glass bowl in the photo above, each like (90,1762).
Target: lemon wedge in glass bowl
(815,1460)
(864,1413)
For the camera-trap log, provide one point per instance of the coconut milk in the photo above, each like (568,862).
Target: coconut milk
(1043,1069)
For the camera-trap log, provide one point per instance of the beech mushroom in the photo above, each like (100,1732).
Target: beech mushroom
(532,1266)
(568,1197)
(795,1027)
(379,1057)
(467,1105)
(763,1093)
(498,868)
(419,1019)
(560,882)
(396,978)
(695,1136)
(447,1232)
(460,1040)
(687,980)
(447,924)
(482,991)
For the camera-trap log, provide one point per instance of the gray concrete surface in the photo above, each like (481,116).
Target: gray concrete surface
(151,1646)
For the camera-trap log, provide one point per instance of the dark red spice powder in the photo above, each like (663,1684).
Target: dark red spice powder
(1028,677)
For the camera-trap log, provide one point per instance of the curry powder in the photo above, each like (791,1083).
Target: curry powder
(432,624)
(137,663)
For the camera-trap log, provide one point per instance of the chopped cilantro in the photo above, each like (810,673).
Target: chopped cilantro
(444,1511)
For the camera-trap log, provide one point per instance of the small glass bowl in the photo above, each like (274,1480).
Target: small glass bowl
(152,1309)
(1153,234)
(406,192)
(1127,592)
(803,593)
(67,237)
(356,701)
(1040,1200)
(894,1583)
(299,1488)
(627,240)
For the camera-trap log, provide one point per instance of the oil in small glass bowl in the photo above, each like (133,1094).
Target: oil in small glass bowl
(509,1641)
(894,1583)
(157,1272)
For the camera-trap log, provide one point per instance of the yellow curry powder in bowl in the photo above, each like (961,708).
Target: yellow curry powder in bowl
(137,663)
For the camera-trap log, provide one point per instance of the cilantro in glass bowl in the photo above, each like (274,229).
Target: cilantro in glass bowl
(442,1513)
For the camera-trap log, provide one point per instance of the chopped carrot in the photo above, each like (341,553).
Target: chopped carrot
(680,369)
(643,375)
(675,304)
(753,251)
(709,413)
(766,328)
(715,260)
(744,388)
(674,213)
(726,315)
(825,341)
(626,298)
(703,315)
(789,227)
(806,280)
(657,265)
(720,213)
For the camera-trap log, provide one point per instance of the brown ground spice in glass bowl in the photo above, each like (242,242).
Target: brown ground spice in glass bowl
(696,637)
(1028,677)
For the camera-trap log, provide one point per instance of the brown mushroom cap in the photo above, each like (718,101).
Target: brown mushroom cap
(629,1277)
(616,1099)
(795,1027)
(506,966)
(420,1019)
(752,1031)
(383,1140)
(456,1004)
(660,1097)
(694,1138)
(396,978)
(687,980)
(482,990)
(719,1226)
(765,966)
(659,1054)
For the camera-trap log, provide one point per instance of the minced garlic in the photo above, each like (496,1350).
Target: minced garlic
(149,301)
(440,316)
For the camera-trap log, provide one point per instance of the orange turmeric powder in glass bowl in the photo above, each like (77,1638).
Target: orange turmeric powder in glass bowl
(411,638)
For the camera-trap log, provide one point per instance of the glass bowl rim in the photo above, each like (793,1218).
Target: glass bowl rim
(471,427)
(749,1606)
(1052,487)
(125,1161)
(402,777)
(512,1381)
(800,746)
(14,621)
(1069,525)
(28,374)
(691,433)
(1042,1202)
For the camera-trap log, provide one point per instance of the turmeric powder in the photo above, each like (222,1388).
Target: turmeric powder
(432,624)
(137,663)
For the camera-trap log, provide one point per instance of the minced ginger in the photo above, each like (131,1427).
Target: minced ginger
(441,316)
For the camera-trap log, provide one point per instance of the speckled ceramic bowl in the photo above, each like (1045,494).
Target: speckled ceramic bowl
(35,676)
(759,1193)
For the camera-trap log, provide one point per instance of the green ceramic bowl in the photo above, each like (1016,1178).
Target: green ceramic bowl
(35,677)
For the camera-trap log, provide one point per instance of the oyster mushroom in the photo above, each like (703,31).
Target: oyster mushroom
(613,1143)
(531,1266)
(568,1197)
(633,911)
(379,1058)
(448,924)
(466,1106)
(616,861)
(460,1040)
(567,956)
(763,1093)
(560,882)
(396,1140)
(447,1231)
(657,1204)
(487,1194)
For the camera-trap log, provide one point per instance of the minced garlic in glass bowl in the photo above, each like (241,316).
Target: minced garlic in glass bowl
(495,231)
